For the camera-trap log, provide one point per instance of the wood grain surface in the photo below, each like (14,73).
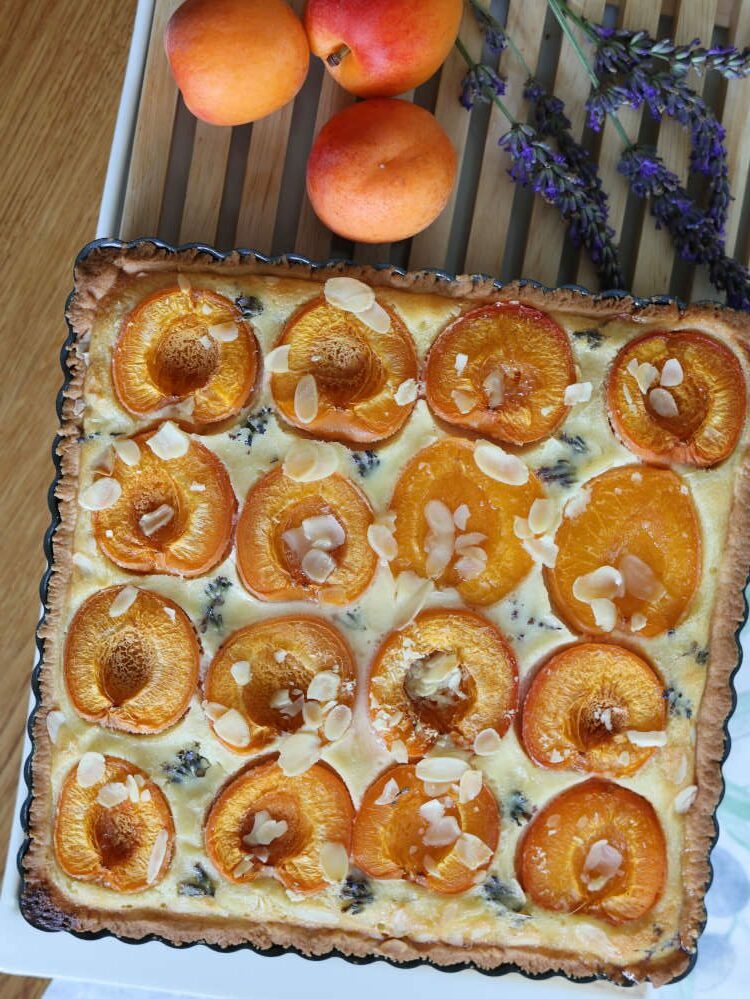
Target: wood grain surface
(61,68)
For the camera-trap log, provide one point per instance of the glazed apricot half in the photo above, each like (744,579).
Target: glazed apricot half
(297,829)
(591,707)
(344,377)
(131,660)
(305,540)
(444,843)
(677,397)
(278,676)
(185,343)
(501,370)
(449,673)
(113,825)
(597,848)
(174,509)
(630,557)
(455,522)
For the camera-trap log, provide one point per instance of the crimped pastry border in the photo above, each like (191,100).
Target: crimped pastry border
(97,268)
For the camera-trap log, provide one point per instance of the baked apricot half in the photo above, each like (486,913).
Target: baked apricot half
(113,825)
(591,708)
(449,673)
(305,540)
(630,557)
(278,676)
(454,522)
(677,397)
(596,848)
(178,344)
(297,829)
(501,370)
(343,377)
(443,842)
(131,660)
(175,507)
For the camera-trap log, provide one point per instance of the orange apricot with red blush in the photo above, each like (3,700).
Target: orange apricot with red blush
(677,397)
(449,673)
(501,371)
(597,848)
(444,843)
(595,708)
(131,660)
(351,372)
(263,822)
(113,825)
(629,554)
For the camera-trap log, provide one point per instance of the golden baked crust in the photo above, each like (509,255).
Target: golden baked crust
(100,275)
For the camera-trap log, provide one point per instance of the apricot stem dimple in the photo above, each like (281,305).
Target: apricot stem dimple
(335,58)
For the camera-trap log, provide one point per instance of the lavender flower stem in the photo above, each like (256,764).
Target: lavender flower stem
(495,99)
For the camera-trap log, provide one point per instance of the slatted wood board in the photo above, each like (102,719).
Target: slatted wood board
(188,181)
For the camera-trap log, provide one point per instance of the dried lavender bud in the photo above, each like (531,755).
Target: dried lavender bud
(214,590)
(200,886)
(366,462)
(356,893)
(494,35)
(353,620)
(678,704)
(619,51)
(518,807)
(562,473)
(575,442)
(249,306)
(254,426)
(507,895)
(481,84)
(187,765)
(593,338)
(697,652)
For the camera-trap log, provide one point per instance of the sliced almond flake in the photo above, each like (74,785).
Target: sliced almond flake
(265,829)
(206,309)
(213,710)
(348,294)
(499,465)
(542,515)
(465,401)
(382,542)
(123,601)
(145,795)
(375,318)
(84,563)
(205,342)
(671,373)
(521,528)
(312,715)
(279,655)
(337,723)
(468,568)
(606,581)
(169,442)
(639,579)
(224,332)
(306,399)
(439,518)
(443,832)
(487,742)
(111,795)
(399,751)
(577,503)
(277,360)
(436,789)
(280,699)
(233,728)
(134,792)
(310,461)
(157,855)
(441,769)
(645,374)
(55,721)
(197,487)
(638,622)
(127,451)
(663,402)
(460,363)
(494,388)
(474,552)
(91,769)
(184,284)
(100,495)
(411,595)
(406,393)
(334,862)
(298,753)
(389,793)
(461,516)
(647,739)
(464,541)
(602,863)
(439,551)
(152,522)
(171,613)
(576,393)
(318,566)
(542,550)
(241,672)
(469,786)
(472,851)
(324,532)
(296,542)
(246,865)
(431,866)
(324,686)
(605,613)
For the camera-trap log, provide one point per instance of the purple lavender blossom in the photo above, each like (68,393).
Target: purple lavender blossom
(490,27)
(621,51)
(481,84)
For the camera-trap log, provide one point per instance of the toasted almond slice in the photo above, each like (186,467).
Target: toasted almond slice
(472,851)
(663,402)
(55,721)
(232,728)
(334,862)
(465,401)
(441,769)
(602,862)
(337,723)
(265,829)
(312,715)
(541,515)
(123,601)
(399,751)
(606,581)
(317,565)
(638,622)
(671,373)
(134,792)
(647,739)
(439,518)
(684,800)
(389,793)
(324,532)
(382,542)
(111,795)
(310,461)
(411,594)
(306,399)
(639,579)
(151,522)
(348,294)
(213,710)
(406,393)
(500,465)
(277,360)
(487,742)
(375,318)
(461,516)
(100,495)
(299,752)
(169,442)
(460,362)
(469,568)
(576,393)
(224,332)
(471,540)
(91,769)
(241,672)
(184,284)
(469,786)
(157,855)
(127,451)
(84,563)
(324,686)
(521,528)
(542,550)
(442,832)
(605,613)
(645,374)
(494,388)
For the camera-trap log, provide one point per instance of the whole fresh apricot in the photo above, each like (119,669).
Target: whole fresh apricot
(385,48)
(236,60)
(380,171)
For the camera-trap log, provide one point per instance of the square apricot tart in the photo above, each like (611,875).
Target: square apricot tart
(389,615)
